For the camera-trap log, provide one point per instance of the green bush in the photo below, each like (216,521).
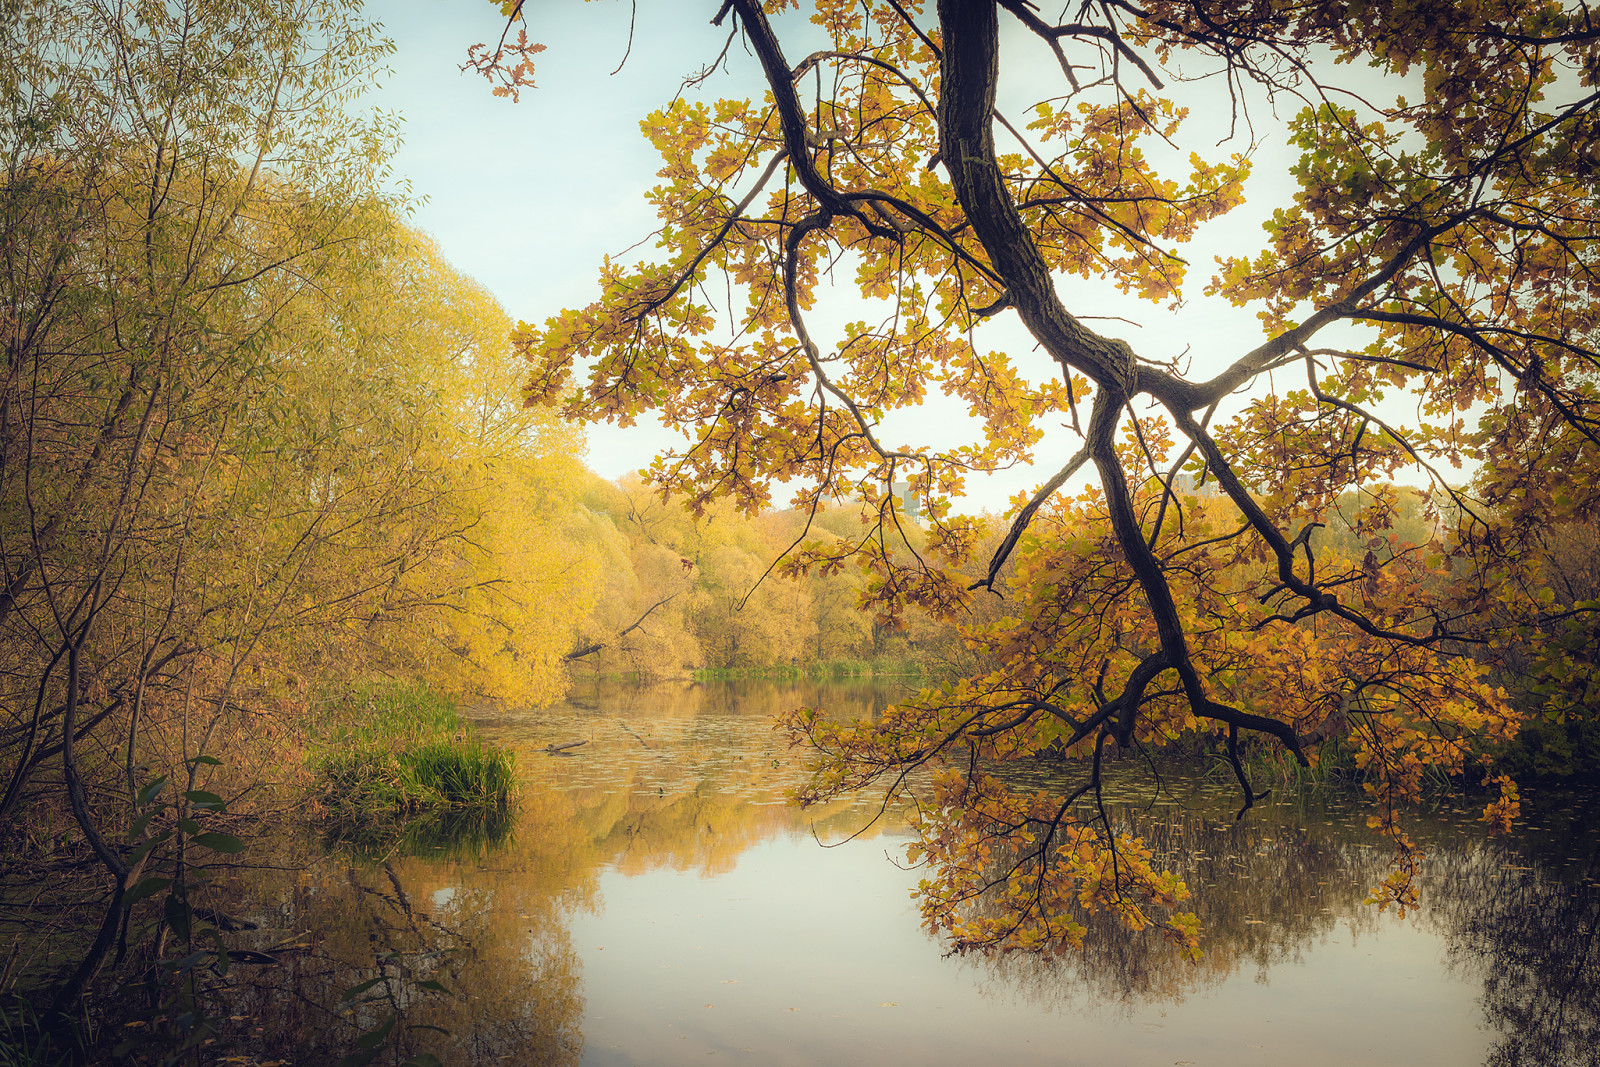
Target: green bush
(1547,749)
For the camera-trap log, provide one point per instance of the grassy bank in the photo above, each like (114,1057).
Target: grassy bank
(387,754)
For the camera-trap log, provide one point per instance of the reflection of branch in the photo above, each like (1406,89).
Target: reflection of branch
(633,735)
(1250,795)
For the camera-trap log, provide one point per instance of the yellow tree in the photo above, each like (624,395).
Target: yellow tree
(248,424)
(456,557)
(172,175)
(1437,246)
(648,571)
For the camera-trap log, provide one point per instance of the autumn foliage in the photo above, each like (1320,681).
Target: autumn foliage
(847,242)
(255,434)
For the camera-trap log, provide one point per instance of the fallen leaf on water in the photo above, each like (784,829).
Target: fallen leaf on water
(889,1004)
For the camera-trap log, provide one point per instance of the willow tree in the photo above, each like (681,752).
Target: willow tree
(172,175)
(1427,306)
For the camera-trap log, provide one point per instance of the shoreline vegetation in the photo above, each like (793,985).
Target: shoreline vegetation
(386,756)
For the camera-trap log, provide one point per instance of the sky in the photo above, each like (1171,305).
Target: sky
(528,197)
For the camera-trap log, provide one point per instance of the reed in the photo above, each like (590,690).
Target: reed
(29,1039)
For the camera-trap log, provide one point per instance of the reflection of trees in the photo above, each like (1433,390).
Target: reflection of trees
(1264,890)
(1275,884)
(691,786)
(703,824)
(756,700)
(491,930)
(698,828)
(1534,939)
(680,775)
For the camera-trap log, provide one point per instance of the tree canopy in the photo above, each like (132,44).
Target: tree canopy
(254,432)
(834,247)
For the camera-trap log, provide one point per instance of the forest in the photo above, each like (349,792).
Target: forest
(283,493)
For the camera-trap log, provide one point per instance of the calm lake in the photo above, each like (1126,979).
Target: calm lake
(658,902)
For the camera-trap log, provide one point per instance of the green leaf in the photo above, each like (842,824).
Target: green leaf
(421,1059)
(356,990)
(189,963)
(138,826)
(219,842)
(215,937)
(149,887)
(201,798)
(374,1037)
(149,846)
(148,793)
(177,913)
(429,983)
(209,760)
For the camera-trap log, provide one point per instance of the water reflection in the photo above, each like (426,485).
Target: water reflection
(659,902)
(457,834)
(1529,930)
(490,928)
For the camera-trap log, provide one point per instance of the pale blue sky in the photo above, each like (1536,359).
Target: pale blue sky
(528,197)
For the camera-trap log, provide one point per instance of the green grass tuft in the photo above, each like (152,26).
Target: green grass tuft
(29,1039)
(384,755)
(461,773)
(383,714)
